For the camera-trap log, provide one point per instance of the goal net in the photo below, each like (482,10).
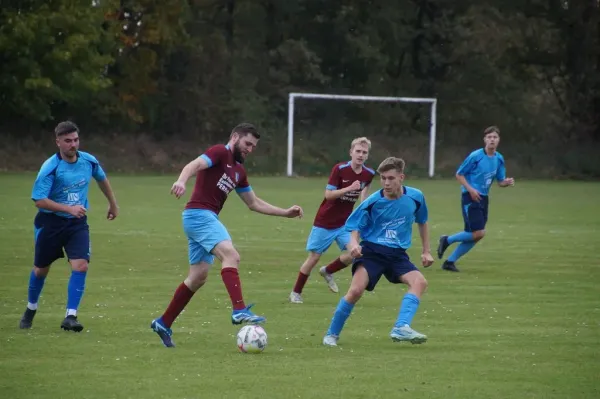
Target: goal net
(430,103)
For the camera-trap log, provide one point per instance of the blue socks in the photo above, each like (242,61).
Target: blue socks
(408,309)
(75,291)
(466,243)
(463,236)
(35,289)
(461,250)
(342,312)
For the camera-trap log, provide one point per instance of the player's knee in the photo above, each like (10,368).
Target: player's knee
(232,258)
(195,282)
(421,284)
(478,235)
(41,271)
(79,265)
(354,294)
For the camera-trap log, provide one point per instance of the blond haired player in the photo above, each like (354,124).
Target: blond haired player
(347,182)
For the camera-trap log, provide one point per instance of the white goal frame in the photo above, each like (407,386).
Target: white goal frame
(291,104)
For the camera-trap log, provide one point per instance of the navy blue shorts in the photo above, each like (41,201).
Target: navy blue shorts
(380,260)
(53,233)
(475,214)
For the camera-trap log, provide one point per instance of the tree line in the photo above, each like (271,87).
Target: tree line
(182,71)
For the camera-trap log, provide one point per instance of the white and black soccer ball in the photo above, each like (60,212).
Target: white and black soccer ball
(252,339)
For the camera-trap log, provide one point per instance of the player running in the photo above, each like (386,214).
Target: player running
(476,175)
(219,171)
(347,182)
(384,223)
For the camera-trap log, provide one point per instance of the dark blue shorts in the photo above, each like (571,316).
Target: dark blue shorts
(475,214)
(53,233)
(380,260)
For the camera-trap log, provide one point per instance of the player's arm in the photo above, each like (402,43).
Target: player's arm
(332,192)
(463,181)
(421,216)
(364,193)
(356,222)
(354,244)
(100,177)
(53,206)
(504,181)
(188,171)
(466,167)
(41,192)
(113,207)
(192,168)
(260,206)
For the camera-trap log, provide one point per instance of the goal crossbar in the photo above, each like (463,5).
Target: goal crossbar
(291,103)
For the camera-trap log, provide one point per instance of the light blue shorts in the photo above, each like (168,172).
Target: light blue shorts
(204,231)
(320,239)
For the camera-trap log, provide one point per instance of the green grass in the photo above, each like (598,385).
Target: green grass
(522,319)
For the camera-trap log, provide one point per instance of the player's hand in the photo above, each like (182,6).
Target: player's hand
(509,181)
(294,211)
(426,259)
(113,212)
(178,189)
(475,196)
(77,210)
(356,251)
(354,186)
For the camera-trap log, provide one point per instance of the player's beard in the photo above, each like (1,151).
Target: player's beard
(237,154)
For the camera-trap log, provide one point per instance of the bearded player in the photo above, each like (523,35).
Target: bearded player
(219,171)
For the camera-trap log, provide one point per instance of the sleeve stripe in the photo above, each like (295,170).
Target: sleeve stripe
(240,190)
(207,159)
(330,187)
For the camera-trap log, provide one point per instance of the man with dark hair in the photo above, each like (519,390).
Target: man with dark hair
(218,171)
(383,225)
(60,193)
(476,175)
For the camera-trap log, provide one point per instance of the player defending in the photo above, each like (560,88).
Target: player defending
(347,181)
(476,175)
(384,223)
(60,193)
(219,171)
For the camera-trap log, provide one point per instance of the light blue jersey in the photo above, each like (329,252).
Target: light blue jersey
(481,169)
(67,183)
(389,221)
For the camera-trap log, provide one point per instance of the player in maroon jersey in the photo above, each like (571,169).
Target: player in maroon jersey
(218,172)
(348,181)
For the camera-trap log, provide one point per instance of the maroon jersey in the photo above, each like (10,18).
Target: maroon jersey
(333,214)
(214,184)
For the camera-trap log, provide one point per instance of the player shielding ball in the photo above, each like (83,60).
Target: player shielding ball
(476,175)
(60,193)
(384,223)
(347,182)
(218,171)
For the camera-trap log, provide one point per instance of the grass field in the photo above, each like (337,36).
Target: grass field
(522,319)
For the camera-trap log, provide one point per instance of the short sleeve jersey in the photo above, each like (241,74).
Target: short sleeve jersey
(389,222)
(481,170)
(332,214)
(65,182)
(214,184)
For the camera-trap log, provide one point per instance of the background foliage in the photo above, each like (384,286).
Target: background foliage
(151,83)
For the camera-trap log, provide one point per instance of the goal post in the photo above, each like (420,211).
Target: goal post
(315,96)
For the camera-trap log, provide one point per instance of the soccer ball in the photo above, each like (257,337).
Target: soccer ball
(252,339)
